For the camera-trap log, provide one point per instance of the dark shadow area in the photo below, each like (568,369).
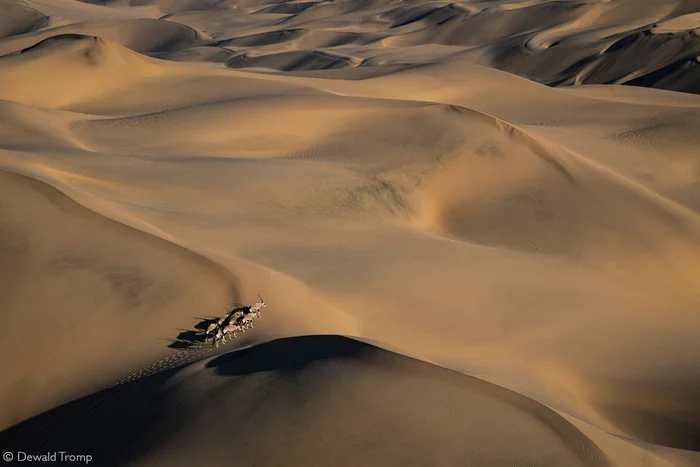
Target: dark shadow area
(681,76)
(114,426)
(681,431)
(187,340)
(257,415)
(288,354)
(123,423)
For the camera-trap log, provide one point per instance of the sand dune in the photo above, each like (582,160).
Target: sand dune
(19,19)
(148,36)
(49,244)
(320,400)
(649,43)
(466,184)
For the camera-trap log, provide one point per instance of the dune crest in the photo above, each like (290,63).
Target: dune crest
(314,386)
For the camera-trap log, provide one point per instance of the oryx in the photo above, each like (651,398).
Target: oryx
(257,306)
(231,329)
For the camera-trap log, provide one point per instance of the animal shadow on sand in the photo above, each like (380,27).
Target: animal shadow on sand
(191,338)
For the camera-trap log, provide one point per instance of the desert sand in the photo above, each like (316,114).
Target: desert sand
(476,226)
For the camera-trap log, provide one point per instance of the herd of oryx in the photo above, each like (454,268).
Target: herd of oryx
(236,320)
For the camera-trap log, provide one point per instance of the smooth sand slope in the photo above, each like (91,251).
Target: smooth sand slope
(80,290)
(366,174)
(287,393)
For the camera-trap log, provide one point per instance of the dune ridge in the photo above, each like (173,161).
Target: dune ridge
(303,378)
(555,43)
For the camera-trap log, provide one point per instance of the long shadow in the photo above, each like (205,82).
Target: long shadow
(114,426)
(195,338)
(187,340)
(287,354)
(120,424)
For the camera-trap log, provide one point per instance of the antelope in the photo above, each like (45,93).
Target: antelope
(219,336)
(247,321)
(236,320)
(208,334)
(257,306)
(231,329)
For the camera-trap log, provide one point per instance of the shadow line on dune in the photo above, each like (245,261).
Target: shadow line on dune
(140,420)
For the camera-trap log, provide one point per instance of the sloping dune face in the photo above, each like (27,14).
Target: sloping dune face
(77,288)
(319,400)
(356,165)
(654,43)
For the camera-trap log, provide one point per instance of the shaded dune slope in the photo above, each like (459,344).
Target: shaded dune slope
(19,19)
(102,291)
(319,400)
(645,43)
(143,35)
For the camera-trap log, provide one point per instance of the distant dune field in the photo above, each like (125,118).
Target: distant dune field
(476,226)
